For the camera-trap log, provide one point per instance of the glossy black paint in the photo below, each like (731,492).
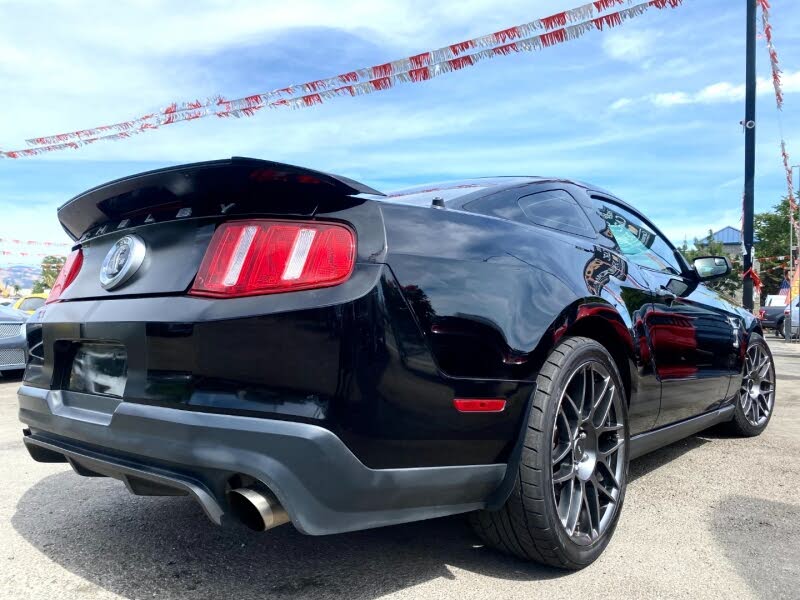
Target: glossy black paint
(465,301)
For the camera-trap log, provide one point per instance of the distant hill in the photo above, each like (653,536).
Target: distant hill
(22,276)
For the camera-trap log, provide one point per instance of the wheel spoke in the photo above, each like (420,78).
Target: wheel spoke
(565,431)
(585,393)
(575,504)
(617,445)
(746,402)
(586,509)
(564,475)
(764,368)
(572,405)
(592,502)
(562,454)
(611,428)
(601,488)
(764,404)
(610,472)
(590,396)
(612,476)
(603,404)
(564,502)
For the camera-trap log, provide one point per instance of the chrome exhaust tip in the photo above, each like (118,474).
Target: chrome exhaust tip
(257,508)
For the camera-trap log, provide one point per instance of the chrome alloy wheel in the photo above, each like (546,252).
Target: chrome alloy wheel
(757,394)
(588,453)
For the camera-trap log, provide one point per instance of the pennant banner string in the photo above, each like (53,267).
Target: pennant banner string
(415,69)
(451,51)
(779,97)
(34,243)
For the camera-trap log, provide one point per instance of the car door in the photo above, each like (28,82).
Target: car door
(694,338)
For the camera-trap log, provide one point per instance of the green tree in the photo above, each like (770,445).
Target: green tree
(728,285)
(772,232)
(51,266)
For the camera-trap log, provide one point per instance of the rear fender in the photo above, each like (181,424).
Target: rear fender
(589,317)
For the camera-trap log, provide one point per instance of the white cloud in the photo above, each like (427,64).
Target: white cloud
(670,99)
(629,45)
(721,92)
(715,93)
(621,103)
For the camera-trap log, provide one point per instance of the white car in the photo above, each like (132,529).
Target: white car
(795,318)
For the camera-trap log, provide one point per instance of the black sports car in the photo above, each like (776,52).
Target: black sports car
(288,345)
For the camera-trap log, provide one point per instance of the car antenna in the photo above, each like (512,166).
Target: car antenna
(437,202)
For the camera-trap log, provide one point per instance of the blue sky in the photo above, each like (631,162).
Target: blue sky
(649,110)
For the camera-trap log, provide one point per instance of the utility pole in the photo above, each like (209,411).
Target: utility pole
(749,153)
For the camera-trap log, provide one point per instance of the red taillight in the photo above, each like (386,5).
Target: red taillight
(786,310)
(248,258)
(66,276)
(479,405)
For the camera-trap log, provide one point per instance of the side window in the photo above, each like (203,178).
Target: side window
(635,240)
(502,205)
(558,210)
(555,209)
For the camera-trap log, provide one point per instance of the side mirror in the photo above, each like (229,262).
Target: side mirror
(711,267)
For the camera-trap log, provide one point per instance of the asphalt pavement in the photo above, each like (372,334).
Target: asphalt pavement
(709,517)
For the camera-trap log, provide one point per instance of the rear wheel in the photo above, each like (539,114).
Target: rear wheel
(756,399)
(779,329)
(572,476)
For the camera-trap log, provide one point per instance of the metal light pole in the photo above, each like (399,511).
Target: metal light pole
(749,153)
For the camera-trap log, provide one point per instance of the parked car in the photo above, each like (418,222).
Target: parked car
(30,303)
(771,314)
(286,345)
(12,341)
(795,320)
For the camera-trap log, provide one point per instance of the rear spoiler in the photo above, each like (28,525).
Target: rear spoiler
(271,186)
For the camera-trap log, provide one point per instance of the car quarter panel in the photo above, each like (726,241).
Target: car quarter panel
(493,297)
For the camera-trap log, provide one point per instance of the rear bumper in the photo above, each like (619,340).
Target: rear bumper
(320,482)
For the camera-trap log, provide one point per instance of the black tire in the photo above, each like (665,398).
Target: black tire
(755,402)
(779,329)
(529,525)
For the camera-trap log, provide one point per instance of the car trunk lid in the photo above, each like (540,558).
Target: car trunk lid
(174,212)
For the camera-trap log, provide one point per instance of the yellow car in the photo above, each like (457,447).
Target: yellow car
(30,303)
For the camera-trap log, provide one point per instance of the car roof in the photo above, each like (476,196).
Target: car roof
(455,192)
